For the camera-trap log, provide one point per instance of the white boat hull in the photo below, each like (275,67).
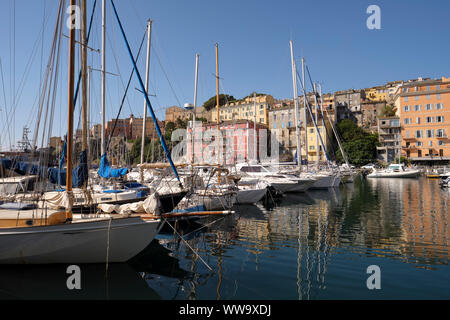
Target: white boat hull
(250,196)
(283,187)
(302,185)
(404,174)
(323,182)
(336,181)
(100,241)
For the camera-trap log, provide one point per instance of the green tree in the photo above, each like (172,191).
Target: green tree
(359,146)
(223,99)
(388,111)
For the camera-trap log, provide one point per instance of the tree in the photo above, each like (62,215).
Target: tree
(223,99)
(359,146)
(388,111)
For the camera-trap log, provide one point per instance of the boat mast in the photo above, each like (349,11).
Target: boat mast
(317,128)
(306,112)
(103,93)
(149,37)
(217,102)
(84,138)
(255,141)
(197,57)
(70,117)
(296,118)
(88,109)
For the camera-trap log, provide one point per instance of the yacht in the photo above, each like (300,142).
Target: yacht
(283,182)
(395,171)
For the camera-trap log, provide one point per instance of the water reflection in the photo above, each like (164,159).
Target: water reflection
(319,244)
(315,245)
(49,283)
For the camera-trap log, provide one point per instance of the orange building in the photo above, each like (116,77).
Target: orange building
(424,109)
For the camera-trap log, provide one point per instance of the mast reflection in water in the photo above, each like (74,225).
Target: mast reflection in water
(318,245)
(315,245)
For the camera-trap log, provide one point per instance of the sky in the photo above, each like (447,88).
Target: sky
(254,55)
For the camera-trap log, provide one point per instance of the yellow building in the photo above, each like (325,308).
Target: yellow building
(376,93)
(246,109)
(312,142)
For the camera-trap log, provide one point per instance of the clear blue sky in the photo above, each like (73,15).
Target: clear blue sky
(253,39)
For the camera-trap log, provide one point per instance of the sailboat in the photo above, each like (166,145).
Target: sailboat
(46,236)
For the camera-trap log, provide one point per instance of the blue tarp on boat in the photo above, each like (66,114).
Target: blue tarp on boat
(79,174)
(106,172)
(23,168)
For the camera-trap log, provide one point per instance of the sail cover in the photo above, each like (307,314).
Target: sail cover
(106,172)
(79,174)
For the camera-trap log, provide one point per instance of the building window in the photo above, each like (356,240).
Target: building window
(274,125)
(406,99)
(428,88)
(407,134)
(416,98)
(438,96)
(430,143)
(439,118)
(429,106)
(419,144)
(429,119)
(417,107)
(407,121)
(406,108)
(438,87)
(282,125)
(441,143)
(418,120)
(440,133)
(439,106)
(430,134)
(428,97)
(418,133)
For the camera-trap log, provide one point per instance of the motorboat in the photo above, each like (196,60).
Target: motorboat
(283,182)
(395,171)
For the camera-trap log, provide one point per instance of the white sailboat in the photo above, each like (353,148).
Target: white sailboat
(45,236)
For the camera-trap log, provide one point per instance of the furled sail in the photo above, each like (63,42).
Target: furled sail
(105,171)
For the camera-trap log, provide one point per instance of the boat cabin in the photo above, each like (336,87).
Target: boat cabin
(396,167)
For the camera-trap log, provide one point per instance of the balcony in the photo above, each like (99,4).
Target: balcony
(411,147)
(442,137)
(410,139)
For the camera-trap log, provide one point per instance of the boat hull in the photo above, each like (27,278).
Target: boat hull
(99,241)
(301,186)
(250,196)
(408,174)
(323,182)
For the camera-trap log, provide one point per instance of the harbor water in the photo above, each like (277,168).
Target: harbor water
(313,245)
